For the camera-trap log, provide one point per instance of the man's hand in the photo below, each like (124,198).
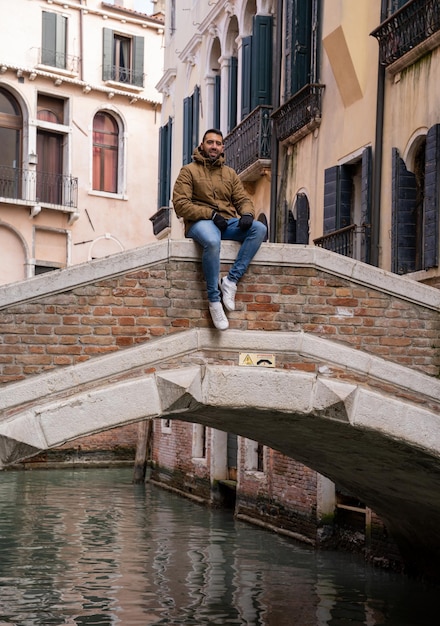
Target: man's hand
(219,221)
(245,221)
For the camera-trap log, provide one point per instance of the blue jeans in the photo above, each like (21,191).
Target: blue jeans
(209,237)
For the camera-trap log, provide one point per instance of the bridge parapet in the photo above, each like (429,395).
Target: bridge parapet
(72,315)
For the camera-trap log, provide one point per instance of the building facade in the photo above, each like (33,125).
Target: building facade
(330,116)
(79,124)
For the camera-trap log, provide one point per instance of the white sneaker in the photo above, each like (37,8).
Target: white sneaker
(218,315)
(228,289)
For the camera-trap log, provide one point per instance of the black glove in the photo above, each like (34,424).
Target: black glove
(219,221)
(245,221)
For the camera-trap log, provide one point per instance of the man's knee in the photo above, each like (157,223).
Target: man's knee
(259,229)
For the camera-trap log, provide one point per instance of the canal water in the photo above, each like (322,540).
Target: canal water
(84,547)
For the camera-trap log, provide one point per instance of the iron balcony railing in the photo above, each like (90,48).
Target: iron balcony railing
(407,28)
(302,110)
(60,60)
(250,141)
(124,75)
(39,187)
(341,241)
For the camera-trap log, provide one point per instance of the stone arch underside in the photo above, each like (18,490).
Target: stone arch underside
(362,432)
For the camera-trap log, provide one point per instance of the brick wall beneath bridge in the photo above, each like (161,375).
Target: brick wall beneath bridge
(112,304)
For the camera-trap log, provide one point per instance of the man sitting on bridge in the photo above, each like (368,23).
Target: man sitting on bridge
(211,199)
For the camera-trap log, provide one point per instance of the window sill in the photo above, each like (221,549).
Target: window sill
(106,194)
(124,86)
(57,71)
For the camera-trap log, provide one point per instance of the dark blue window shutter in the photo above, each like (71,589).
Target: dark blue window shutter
(187,130)
(366,191)
(232,94)
(138,61)
(246,76)
(107,54)
(302,218)
(261,81)
(403,220)
(217,92)
(165,138)
(331,178)
(345,195)
(302,44)
(432,194)
(195,98)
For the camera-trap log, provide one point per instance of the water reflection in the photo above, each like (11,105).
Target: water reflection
(88,547)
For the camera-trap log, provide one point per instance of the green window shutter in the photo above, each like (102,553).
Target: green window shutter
(432,194)
(48,47)
(107,54)
(302,44)
(366,189)
(246,76)
(138,62)
(217,92)
(60,41)
(331,179)
(164,164)
(232,94)
(195,99)
(403,217)
(261,82)
(187,116)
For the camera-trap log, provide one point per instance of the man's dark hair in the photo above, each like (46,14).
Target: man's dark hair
(216,131)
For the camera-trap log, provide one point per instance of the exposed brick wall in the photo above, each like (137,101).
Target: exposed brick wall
(284,496)
(117,313)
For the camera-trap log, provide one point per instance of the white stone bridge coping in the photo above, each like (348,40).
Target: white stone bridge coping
(370,425)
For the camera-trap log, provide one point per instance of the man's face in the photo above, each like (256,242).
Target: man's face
(212,145)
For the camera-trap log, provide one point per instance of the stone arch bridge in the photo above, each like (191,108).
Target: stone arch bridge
(348,382)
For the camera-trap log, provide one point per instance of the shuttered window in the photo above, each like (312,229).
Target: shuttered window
(217,95)
(432,195)
(366,200)
(337,198)
(256,78)
(403,206)
(299,61)
(123,58)
(302,219)
(232,94)
(54,32)
(165,142)
(191,112)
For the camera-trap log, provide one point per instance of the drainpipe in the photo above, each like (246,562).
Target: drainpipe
(276,86)
(378,156)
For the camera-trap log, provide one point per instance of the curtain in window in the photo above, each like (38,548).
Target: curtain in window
(105,153)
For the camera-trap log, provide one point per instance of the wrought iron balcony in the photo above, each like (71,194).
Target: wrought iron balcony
(59,60)
(247,147)
(56,190)
(124,75)
(300,115)
(412,25)
(341,241)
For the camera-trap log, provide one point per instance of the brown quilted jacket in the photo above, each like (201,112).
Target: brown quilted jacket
(203,186)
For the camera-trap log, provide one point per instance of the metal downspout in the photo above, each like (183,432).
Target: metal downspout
(274,141)
(378,156)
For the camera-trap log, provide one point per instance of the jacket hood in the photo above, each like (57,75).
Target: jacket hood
(199,157)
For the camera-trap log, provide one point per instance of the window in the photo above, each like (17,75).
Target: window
(105,153)
(191,111)
(254,456)
(415,207)
(123,58)
(301,36)
(11,121)
(298,221)
(256,84)
(347,202)
(53,49)
(165,143)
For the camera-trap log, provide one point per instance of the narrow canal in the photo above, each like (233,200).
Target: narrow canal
(84,547)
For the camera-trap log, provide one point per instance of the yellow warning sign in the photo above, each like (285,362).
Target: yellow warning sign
(256,359)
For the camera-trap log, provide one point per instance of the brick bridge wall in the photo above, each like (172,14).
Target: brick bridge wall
(115,313)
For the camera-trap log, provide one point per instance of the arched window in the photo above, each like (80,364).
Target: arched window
(105,153)
(11,122)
